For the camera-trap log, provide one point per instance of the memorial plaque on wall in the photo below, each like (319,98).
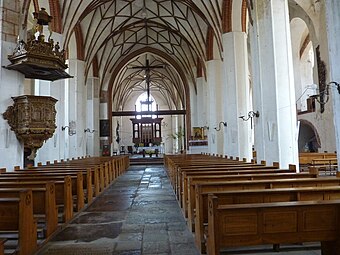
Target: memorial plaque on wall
(104,128)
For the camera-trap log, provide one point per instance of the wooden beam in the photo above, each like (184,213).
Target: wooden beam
(160,112)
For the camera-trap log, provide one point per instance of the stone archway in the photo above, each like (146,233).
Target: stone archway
(309,140)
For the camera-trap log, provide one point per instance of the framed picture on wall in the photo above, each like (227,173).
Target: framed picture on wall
(104,128)
(198,133)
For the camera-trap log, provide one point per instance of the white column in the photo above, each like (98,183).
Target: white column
(275,129)
(194,107)
(92,137)
(51,149)
(215,109)
(11,85)
(201,102)
(175,142)
(77,108)
(333,34)
(238,139)
(55,147)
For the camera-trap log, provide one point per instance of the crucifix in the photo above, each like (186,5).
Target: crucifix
(147,130)
(147,67)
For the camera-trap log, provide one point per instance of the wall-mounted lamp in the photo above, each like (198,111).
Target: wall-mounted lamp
(71,128)
(336,84)
(89,130)
(70,131)
(325,92)
(219,125)
(206,127)
(250,116)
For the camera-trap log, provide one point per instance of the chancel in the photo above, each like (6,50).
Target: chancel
(170,127)
(146,128)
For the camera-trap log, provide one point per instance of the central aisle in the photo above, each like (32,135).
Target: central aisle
(137,214)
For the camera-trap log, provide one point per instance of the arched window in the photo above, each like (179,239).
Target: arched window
(144,104)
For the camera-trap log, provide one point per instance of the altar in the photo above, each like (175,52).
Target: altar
(149,149)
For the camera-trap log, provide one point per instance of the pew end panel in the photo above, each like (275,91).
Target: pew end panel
(17,215)
(2,246)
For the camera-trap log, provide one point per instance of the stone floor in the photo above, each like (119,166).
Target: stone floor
(138,214)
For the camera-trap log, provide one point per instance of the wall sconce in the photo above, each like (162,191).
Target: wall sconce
(320,97)
(71,128)
(206,127)
(89,130)
(219,125)
(70,131)
(250,116)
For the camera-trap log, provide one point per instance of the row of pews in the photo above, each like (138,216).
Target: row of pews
(323,162)
(38,201)
(230,203)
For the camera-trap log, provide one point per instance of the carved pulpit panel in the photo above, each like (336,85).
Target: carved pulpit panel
(32,118)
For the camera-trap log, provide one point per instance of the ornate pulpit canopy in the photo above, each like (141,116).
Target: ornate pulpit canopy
(37,58)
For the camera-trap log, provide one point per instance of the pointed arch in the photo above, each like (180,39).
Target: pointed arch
(227,8)
(95,67)
(80,42)
(244,16)
(55,13)
(314,137)
(210,44)
(105,95)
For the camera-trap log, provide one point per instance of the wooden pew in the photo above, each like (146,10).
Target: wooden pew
(259,196)
(63,193)
(90,178)
(181,181)
(112,167)
(44,204)
(64,174)
(177,169)
(116,165)
(306,158)
(172,163)
(324,164)
(104,176)
(76,180)
(183,189)
(274,223)
(189,205)
(17,215)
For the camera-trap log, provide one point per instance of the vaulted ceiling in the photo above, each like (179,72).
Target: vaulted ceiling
(113,34)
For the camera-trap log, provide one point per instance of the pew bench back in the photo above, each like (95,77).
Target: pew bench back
(273,223)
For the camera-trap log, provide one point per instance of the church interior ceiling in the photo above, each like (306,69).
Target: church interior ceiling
(122,33)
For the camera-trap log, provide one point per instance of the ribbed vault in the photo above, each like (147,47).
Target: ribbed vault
(113,30)
(112,35)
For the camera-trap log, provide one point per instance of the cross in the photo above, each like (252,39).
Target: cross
(147,67)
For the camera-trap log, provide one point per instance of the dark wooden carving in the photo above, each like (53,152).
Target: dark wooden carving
(146,130)
(37,58)
(32,118)
(322,73)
